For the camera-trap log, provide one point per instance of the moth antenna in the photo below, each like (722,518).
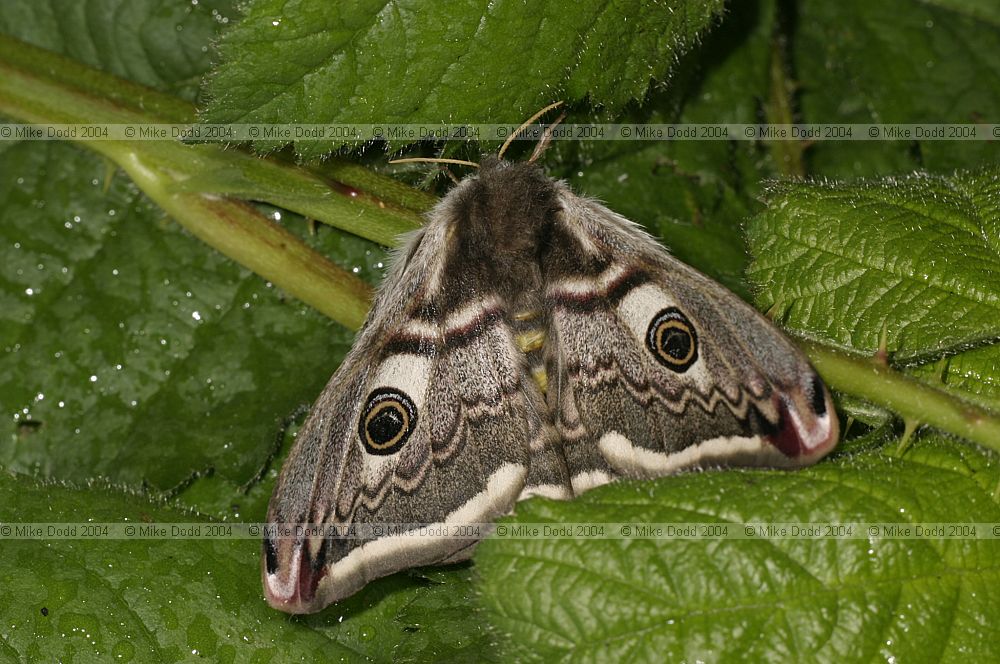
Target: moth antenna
(434,160)
(543,143)
(450,175)
(527,123)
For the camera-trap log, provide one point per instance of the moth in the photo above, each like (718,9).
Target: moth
(527,342)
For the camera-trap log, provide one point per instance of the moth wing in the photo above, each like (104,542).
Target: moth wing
(431,420)
(654,368)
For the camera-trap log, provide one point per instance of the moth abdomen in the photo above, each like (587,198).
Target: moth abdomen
(530,333)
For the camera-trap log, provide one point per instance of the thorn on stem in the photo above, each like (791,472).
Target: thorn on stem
(882,354)
(941,369)
(909,427)
(110,168)
(775,311)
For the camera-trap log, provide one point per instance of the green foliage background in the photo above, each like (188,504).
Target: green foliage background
(146,377)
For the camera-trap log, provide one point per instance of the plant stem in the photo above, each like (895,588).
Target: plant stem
(914,400)
(788,154)
(41,87)
(243,234)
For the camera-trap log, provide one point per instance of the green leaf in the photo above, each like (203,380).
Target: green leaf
(975,374)
(172,599)
(917,257)
(160,44)
(424,615)
(760,600)
(897,61)
(131,350)
(411,62)
(693,195)
(93,281)
(266,361)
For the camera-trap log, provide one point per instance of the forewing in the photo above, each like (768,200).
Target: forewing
(432,421)
(654,368)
